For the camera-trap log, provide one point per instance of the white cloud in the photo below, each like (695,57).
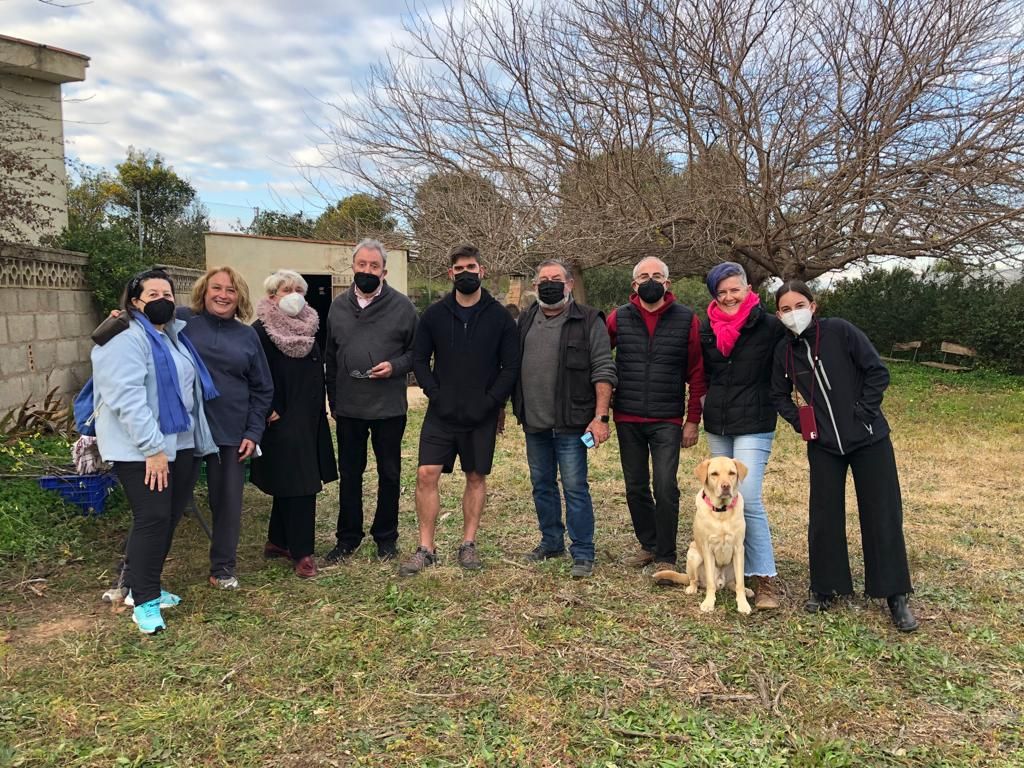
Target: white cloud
(231,93)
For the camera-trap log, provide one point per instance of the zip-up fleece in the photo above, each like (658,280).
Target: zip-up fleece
(475,364)
(127,404)
(233,354)
(849,382)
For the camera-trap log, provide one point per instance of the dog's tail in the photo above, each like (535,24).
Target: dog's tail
(670,577)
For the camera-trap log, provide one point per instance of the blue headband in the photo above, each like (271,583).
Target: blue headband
(721,271)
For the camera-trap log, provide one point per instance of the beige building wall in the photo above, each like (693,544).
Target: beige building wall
(30,90)
(257,257)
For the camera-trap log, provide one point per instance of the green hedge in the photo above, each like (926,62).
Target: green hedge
(898,305)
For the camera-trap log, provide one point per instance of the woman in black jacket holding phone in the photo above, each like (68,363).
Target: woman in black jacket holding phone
(839,381)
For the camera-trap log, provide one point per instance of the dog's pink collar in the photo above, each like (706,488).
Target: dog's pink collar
(731,504)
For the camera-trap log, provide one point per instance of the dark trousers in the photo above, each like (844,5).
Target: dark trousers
(385,436)
(293,524)
(155,515)
(880,507)
(225,476)
(655,520)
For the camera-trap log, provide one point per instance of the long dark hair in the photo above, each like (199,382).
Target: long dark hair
(135,286)
(793,285)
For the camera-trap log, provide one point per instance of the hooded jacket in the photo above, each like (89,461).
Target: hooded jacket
(474,366)
(849,383)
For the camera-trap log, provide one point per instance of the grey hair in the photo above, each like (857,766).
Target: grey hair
(284,277)
(373,245)
(664,266)
(553,263)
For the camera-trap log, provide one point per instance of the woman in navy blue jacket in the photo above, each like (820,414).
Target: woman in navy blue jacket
(839,381)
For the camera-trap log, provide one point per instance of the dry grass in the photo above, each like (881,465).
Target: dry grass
(519,665)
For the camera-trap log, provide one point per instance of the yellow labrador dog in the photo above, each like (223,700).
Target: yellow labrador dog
(715,557)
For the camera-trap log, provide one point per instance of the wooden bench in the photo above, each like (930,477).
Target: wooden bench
(958,351)
(903,346)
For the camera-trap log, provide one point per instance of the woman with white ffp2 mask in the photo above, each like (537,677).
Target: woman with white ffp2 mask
(830,367)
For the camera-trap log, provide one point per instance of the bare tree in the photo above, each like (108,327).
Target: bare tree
(796,136)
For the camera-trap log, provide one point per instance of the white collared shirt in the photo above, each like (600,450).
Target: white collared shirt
(365,302)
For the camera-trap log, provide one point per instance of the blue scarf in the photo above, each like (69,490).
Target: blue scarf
(173,416)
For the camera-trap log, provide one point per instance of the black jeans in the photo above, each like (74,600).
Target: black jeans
(880,507)
(155,515)
(225,476)
(293,524)
(386,437)
(655,520)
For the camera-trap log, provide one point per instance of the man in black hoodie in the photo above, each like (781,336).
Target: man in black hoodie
(475,349)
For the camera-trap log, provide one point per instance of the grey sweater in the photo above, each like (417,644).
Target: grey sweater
(360,338)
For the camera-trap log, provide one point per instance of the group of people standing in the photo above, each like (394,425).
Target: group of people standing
(208,386)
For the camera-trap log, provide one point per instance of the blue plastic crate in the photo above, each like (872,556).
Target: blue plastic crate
(88,492)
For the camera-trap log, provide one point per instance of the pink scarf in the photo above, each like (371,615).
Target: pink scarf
(727,327)
(294,336)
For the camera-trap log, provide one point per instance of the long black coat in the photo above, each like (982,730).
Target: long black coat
(297,453)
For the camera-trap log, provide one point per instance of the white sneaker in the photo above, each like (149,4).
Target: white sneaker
(224,582)
(115,595)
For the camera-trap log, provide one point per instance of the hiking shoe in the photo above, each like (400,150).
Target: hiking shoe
(765,596)
(538,554)
(147,617)
(115,595)
(386,552)
(167,599)
(339,554)
(271,550)
(224,582)
(582,569)
(305,567)
(421,558)
(638,559)
(468,556)
(818,602)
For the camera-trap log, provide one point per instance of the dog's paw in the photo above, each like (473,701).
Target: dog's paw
(707,606)
(692,589)
(743,607)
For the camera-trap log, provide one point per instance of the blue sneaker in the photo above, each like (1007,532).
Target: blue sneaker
(148,617)
(167,599)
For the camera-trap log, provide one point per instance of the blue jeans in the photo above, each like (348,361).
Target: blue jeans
(752,450)
(546,453)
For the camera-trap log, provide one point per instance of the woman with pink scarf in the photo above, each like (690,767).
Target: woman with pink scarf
(297,455)
(738,340)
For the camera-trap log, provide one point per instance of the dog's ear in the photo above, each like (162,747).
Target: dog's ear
(702,471)
(741,469)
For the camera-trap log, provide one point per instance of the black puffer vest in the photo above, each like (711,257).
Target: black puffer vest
(739,386)
(575,394)
(652,371)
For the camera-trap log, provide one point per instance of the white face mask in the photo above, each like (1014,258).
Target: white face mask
(291,304)
(798,320)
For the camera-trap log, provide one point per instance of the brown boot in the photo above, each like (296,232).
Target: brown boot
(638,559)
(765,596)
(305,567)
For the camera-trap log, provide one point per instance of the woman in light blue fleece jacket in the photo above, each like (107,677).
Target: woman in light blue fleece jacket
(149,387)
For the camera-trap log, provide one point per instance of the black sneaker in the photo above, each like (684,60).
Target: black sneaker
(582,569)
(386,552)
(539,554)
(339,554)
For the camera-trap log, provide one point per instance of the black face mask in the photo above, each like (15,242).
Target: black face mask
(650,291)
(467,282)
(551,292)
(366,282)
(159,311)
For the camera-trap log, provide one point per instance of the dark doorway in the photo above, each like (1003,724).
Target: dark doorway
(318,296)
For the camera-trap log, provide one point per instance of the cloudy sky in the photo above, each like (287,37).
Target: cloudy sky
(230,92)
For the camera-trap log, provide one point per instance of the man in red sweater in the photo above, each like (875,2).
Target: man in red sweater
(657,405)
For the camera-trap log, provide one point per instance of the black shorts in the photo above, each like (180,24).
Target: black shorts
(475,449)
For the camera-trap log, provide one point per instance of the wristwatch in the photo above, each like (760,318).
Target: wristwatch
(603,419)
